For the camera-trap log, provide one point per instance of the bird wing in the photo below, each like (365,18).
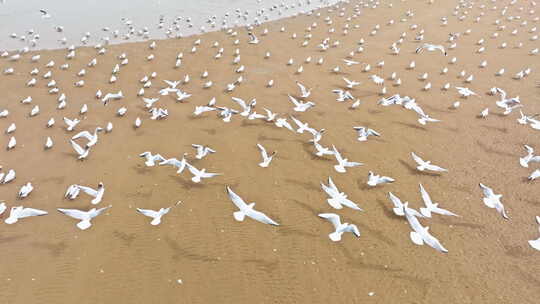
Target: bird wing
(336,154)
(435,168)
(209,174)
(99,211)
(293,100)
(372,132)
(425,196)
(261,217)
(240,102)
(84,134)
(27,212)
(332,218)
(237,200)
(74,213)
(263,151)
(148,212)
(488,192)
(88,191)
(302,88)
(417,159)
(352,228)
(77,148)
(297,122)
(395,200)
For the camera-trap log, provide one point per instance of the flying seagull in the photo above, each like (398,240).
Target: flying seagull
(343,162)
(20,212)
(426,165)
(156,215)
(266,158)
(247,210)
(430,206)
(493,200)
(339,227)
(337,198)
(420,234)
(84,216)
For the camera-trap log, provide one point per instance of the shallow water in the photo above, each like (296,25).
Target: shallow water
(79,17)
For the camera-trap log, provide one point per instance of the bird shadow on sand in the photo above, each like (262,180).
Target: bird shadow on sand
(293,231)
(263,137)
(250,123)
(308,207)
(374,112)
(452,220)
(126,238)
(413,170)
(498,129)
(263,265)
(387,209)
(358,262)
(188,184)
(410,125)
(310,186)
(54,249)
(209,131)
(309,149)
(140,169)
(494,151)
(9,239)
(179,252)
(518,251)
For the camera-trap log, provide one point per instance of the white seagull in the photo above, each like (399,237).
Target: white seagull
(339,227)
(493,200)
(151,159)
(426,165)
(84,216)
(364,133)
(374,179)
(266,158)
(199,174)
(398,206)
(337,199)
(155,215)
(202,151)
(20,212)
(247,210)
(430,206)
(420,234)
(343,162)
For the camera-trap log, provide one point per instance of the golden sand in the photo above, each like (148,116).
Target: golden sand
(122,259)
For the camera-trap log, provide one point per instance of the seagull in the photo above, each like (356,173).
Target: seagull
(364,133)
(156,215)
(300,106)
(338,199)
(536,243)
(252,39)
(202,151)
(71,124)
(199,174)
(420,234)
(466,92)
(96,194)
(25,190)
(493,200)
(148,102)
(304,91)
(9,176)
(20,212)
(534,175)
(398,206)
(343,162)
(92,139)
(339,227)
(180,164)
(83,153)
(321,151)
(530,157)
(351,83)
(426,165)
(266,159)
(376,79)
(84,216)
(245,107)
(247,210)
(350,62)
(44,14)
(302,126)
(151,159)
(430,206)
(343,95)
(72,192)
(431,48)
(374,179)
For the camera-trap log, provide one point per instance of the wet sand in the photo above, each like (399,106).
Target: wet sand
(122,259)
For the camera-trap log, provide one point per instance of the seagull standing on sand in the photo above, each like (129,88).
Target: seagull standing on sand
(339,227)
(84,216)
(493,200)
(247,210)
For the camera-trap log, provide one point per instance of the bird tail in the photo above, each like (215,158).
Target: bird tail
(83,225)
(335,236)
(239,216)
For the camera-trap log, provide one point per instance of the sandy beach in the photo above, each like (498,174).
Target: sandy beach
(199,253)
